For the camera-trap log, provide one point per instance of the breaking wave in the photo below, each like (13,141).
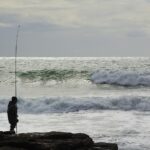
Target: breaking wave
(69,104)
(122,78)
(117,77)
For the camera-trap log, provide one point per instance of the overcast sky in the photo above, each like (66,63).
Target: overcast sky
(75,27)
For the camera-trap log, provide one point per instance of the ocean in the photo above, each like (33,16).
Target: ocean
(107,98)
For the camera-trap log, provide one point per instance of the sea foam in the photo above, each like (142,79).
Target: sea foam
(70,104)
(123,78)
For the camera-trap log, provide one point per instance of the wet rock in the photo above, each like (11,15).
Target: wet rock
(105,146)
(50,141)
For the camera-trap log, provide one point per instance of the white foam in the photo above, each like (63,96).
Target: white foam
(69,104)
(124,78)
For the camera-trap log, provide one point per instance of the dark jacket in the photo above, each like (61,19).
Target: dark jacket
(12,113)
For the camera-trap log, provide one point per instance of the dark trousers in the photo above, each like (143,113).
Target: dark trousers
(12,126)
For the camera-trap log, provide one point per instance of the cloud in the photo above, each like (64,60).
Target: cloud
(5,25)
(137,33)
(103,15)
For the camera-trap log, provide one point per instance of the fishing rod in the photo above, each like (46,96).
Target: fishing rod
(16,51)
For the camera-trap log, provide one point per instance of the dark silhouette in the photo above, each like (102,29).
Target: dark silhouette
(12,113)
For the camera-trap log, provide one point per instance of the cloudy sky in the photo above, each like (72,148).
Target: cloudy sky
(75,27)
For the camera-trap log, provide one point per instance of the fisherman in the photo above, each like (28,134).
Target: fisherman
(12,113)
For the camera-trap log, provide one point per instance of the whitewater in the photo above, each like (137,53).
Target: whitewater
(107,98)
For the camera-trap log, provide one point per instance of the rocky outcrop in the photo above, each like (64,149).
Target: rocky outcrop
(51,141)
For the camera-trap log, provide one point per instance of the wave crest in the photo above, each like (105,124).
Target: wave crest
(123,78)
(68,104)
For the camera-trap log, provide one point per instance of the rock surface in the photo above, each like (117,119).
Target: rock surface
(51,141)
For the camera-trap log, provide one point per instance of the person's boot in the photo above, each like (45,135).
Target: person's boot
(12,131)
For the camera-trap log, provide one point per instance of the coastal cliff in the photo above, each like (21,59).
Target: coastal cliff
(51,141)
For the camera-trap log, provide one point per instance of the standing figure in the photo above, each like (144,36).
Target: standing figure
(12,113)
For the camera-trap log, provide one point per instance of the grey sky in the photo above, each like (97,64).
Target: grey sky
(75,27)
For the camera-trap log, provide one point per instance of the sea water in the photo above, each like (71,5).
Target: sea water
(107,98)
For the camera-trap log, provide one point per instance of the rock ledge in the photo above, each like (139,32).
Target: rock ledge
(51,141)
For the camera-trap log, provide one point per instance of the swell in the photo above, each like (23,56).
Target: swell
(72,104)
(58,75)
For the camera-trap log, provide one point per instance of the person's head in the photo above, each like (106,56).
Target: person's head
(14,99)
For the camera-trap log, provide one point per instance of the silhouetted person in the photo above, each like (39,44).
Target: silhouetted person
(12,113)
